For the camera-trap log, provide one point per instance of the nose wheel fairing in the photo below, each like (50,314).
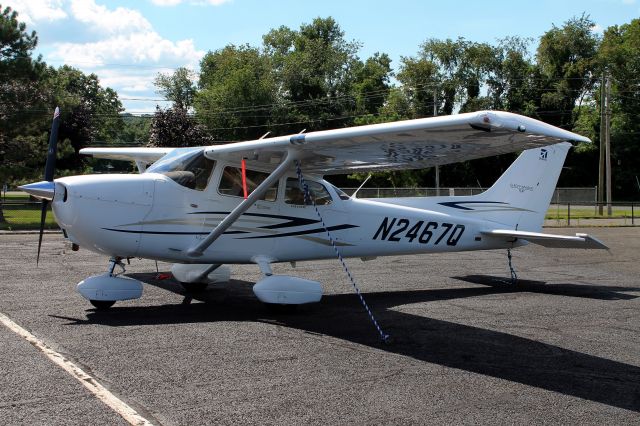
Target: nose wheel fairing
(105,289)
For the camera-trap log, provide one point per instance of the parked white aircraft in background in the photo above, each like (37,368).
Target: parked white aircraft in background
(245,202)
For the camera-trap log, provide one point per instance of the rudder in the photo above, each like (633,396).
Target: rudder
(520,198)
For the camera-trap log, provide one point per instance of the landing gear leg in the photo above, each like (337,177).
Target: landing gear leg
(112,266)
(514,276)
(103,305)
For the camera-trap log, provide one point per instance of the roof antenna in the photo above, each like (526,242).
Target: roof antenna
(265,135)
(360,187)
(302,131)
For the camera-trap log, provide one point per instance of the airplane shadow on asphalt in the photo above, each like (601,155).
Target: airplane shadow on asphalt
(492,353)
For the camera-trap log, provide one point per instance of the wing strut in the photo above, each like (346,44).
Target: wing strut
(243,206)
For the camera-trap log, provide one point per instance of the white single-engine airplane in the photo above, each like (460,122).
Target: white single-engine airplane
(265,201)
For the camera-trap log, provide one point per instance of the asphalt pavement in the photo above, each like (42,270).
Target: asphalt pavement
(561,346)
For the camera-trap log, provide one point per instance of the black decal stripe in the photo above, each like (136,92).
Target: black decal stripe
(293,221)
(308,231)
(299,221)
(456,204)
(132,231)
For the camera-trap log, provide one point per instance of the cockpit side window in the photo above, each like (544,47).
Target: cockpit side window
(294,195)
(191,169)
(231,183)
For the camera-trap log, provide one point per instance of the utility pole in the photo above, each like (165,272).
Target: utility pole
(435,114)
(608,142)
(603,131)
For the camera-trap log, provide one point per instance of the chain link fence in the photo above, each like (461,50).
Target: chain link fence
(560,196)
(570,207)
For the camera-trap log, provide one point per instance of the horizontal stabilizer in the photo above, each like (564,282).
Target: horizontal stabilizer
(583,241)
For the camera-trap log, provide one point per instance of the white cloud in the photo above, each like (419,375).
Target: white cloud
(31,11)
(118,44)
(101,19)
(133,49)
(629,1)
(164,3)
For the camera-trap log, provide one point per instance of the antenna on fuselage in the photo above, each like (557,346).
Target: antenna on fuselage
(360,187)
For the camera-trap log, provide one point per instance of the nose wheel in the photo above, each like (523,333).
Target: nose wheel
(102,305)
(102,291)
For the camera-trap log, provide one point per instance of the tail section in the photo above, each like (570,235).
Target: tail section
(521,196)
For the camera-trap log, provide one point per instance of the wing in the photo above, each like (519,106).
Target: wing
(411,144)
(145,155)
(583,241)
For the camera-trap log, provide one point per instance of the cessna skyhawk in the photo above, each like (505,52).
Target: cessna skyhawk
(265,201)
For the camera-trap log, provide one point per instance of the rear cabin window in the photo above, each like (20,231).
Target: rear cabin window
(295,196)
(231,183)
(191,169)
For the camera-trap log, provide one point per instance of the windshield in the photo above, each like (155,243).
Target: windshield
(340,192)
(185,166)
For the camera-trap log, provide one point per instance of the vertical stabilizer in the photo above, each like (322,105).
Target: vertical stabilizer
(520,198)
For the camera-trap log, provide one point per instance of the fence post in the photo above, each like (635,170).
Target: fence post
(568,214)
(632,216)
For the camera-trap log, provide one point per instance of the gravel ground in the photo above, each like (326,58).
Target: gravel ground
(562,346)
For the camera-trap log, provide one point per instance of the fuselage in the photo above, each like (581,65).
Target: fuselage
(152,215)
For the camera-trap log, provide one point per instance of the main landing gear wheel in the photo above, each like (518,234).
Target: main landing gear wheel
(102,305)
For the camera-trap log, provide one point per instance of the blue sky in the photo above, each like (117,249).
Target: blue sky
(126,43)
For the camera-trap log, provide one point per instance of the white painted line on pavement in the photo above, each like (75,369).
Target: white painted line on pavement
(117,405)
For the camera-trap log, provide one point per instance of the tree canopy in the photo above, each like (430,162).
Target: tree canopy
(313,78)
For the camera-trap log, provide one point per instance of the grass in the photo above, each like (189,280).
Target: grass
(22,216)
(15,196)
(583,212)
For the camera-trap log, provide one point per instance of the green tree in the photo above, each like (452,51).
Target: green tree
(566,58)
(315,70)
(178,87)
(420,80)
(619,56)
(237,93)
(512,84)
(136,129)
(89,112)
(462,68)
(20,92)
(174,127)
(372,83)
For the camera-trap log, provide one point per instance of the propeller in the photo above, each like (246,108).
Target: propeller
(48,172)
